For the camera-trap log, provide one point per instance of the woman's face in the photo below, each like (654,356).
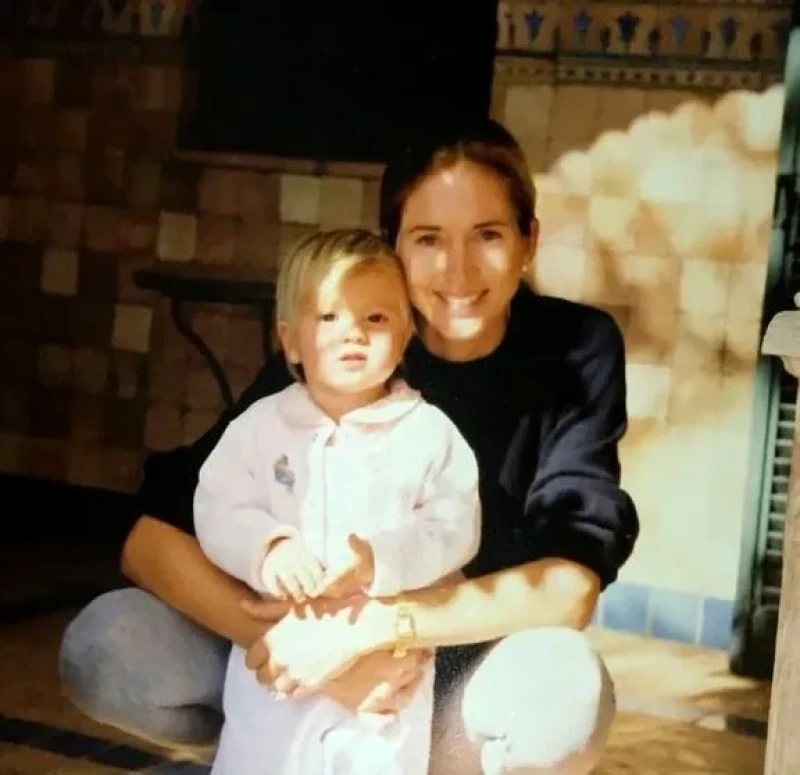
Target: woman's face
(464,256)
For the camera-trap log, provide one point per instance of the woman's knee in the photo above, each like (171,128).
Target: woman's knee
(98,656)
(541,701)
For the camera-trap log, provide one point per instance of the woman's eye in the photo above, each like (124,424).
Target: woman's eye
(429,240)
(488,235)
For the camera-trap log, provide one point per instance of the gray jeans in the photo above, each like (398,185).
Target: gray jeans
(539,703)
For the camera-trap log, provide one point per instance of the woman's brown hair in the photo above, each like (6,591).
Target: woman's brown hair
(486,143)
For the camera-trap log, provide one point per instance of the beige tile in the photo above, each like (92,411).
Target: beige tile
(90,371)
(177,237)
(132,324)
(60,272)
(55,365)
(258,197)
(370,205)
(575,114)
(101,228)
(219,191)
(746,294)
(300,199)
(615,167)
(701,342)
(216,238)
(38,79)
(648,391)
(742,344)
(526,111)
(737,402)
(705,286)
(341,202)
(652,334)
(694,397)
(66,221)
(559,271)
(257,245)
(611,220)
(619,107)
(562,219)
(163,427)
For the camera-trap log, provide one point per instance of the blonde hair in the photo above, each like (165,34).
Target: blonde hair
(314,257)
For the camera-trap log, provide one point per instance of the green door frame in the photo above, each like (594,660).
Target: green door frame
(755,622)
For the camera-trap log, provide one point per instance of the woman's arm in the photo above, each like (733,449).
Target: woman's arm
(171,565)
(544,593)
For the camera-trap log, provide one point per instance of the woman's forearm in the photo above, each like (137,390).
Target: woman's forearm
(171,565)
(550,592)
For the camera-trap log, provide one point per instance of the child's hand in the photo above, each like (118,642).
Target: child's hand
(290,571)
(353,574)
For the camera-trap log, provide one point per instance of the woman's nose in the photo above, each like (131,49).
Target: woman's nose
(459,265)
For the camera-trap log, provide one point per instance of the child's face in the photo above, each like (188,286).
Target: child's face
(349,335)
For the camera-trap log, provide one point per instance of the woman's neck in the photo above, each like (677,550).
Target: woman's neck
(462,350)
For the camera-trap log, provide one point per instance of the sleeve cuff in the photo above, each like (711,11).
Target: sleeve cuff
(388,577)
(256,576)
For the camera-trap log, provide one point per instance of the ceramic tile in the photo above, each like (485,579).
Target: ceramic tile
(216,239)
(701,342)
(717,623)
(675,616)
(300,199)
(60,272)
(625,607)
(177,237)
(340,202)
(648,389)
(132,323)
(66,221)
(526,111)
(705,287)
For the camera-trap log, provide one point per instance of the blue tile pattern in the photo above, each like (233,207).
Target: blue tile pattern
(679,616)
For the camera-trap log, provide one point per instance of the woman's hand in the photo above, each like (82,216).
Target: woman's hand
(379,682)
(310,646)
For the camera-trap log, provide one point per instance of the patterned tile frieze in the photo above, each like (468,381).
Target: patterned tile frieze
(679,36)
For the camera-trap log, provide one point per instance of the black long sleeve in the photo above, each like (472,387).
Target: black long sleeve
(574,507)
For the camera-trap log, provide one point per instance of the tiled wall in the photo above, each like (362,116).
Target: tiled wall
(652,134)
(656,204)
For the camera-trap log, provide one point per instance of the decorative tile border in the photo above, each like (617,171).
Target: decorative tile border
(667,615)
(680,36)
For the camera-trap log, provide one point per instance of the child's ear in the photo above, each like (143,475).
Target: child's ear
(288,343)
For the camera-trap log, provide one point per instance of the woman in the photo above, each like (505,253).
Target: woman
(537,387)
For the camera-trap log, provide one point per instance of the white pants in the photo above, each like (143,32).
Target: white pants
(315,736)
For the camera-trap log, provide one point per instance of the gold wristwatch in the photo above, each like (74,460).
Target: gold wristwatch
(405,631)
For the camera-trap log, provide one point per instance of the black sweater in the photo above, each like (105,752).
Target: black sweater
(544,413)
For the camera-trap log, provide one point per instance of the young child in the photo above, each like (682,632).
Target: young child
(345,481)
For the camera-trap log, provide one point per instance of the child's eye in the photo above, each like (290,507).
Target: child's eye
(327,317)
(377,317)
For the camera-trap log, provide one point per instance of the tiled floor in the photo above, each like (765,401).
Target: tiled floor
(681,713)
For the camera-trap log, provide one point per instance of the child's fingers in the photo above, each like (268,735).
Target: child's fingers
(292,587)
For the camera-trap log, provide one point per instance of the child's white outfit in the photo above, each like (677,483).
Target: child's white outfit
(397,473)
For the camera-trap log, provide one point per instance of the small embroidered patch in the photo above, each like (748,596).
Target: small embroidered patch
(283,474)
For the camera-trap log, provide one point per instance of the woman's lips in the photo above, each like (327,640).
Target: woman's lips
(461,304)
